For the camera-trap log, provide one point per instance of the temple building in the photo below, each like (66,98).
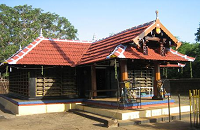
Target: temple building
(124,62)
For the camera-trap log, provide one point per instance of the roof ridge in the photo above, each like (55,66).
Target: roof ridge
(21,53)
(182,55)
(67,40)
(134,27)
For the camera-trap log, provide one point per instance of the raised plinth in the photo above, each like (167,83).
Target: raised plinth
(131,114)
(29,107)
(105,107)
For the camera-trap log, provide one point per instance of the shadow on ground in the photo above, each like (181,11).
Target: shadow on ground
(174,125)
(4,110)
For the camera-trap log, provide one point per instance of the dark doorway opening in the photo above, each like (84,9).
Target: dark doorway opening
(101,81)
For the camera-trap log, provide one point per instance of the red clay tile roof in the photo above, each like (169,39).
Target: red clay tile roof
(101,49)
(45,51)
(188,58)
(173,65)
(133,53)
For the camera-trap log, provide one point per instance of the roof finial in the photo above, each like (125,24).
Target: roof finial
(94,37)
(156,14)
(20,47)
(41,35)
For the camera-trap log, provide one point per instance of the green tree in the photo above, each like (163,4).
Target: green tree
(20,25)
(192,50)
(197,34)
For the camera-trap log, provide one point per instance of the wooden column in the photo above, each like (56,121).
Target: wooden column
(157,77)
(123,70)
(93,80)
(123,73)
(32,84)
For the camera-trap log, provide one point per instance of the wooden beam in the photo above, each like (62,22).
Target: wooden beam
(147,38)
(93,81)
(158,39)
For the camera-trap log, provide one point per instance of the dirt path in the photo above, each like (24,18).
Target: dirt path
(184,99)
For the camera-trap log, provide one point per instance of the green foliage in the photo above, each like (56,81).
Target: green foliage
(197,34)
(192,50)
(21,24)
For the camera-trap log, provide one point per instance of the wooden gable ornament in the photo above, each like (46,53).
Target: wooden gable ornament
(142,39)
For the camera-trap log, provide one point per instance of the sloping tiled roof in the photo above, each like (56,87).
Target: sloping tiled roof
(173,65)
(45,51)
(188,58)
(101,49)
(134,53)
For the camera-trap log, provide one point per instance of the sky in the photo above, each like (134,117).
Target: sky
(105,17)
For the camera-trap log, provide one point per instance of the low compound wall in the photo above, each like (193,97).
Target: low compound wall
(183,85)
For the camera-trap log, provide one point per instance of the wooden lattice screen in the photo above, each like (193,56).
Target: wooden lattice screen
(56,82)
(4,86)
(19,82)
(142,79)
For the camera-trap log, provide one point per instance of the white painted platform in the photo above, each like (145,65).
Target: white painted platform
(132,114)
(37,107)
(29,109)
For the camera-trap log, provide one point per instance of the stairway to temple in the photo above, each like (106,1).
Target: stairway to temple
(116,117)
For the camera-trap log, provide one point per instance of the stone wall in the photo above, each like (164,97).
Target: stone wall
(183,86)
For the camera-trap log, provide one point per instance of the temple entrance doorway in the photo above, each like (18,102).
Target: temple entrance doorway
(101,81)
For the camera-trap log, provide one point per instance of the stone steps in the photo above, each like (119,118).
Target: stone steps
(154,119)
(109,122)
(133,113)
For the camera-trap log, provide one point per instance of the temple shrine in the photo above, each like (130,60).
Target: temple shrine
(125,65)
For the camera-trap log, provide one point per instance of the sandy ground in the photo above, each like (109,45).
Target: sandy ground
(184,100)
(70,121)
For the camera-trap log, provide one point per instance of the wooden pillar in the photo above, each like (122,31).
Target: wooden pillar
(32,84)
(123,70)
(93,80)
(156,79)
(123,73)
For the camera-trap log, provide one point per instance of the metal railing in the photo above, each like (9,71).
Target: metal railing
(194,97)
